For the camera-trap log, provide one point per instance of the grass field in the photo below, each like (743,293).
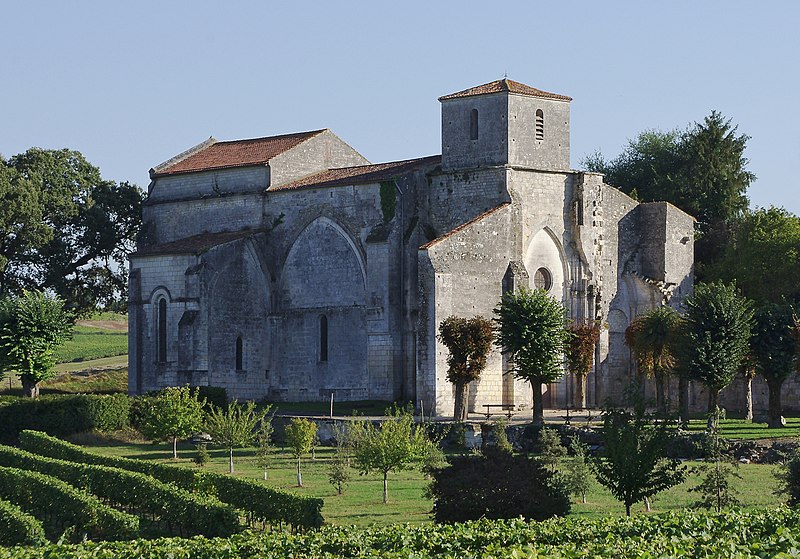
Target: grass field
(94,339)
(741,429)
(362,503)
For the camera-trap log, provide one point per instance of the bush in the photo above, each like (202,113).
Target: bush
(192,513)
(19,527)
(789,478)
(259,501)
(496,485)
(213,395)
(64,415)
(62,505)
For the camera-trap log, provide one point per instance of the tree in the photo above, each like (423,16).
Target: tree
(774,348)
(339,468)
(264,447)
(718,325)
(551,450)
(531,328)
(84,227)
(580,470)
(300,436)
(32,326)
(174,413)
(468,343)
(653,338)
(763,256)
(579,354)
(235,426)
(397,445)
(633,464)
(715,490)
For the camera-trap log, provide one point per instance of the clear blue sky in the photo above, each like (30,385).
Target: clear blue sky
(132,84)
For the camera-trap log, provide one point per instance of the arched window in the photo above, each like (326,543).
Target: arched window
(162,330)
(539,125)
(323,338)
(239,364)
(473,124)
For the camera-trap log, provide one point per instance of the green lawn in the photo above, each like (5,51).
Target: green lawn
(93,342)
(362,502)
(741,429)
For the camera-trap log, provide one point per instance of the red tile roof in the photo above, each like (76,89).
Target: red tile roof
(463,226)
(237,153)
(508,86)
(196,244)
(362,174)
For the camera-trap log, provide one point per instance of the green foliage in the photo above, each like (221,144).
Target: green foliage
(633,464)
(301,435)
(501,442)
(397,445)
(468,342)
(192,513)
(264,446)
(579,470)
(760,533)
(61,505)
(32,326)
(716,491)
(86,346)
(339,473)
(655,338)
(774,347)
(19,527)
(497,485)
(202,456)
(64,414)
(77,228)
(531,328)
(257,500)
(176,412)
(551,450)
(789,478)
(718,325)
(235,426)
(213,395)
(388,200)
(763,256)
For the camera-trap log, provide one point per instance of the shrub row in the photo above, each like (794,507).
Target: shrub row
(257,500)
(63,415)
(19,527)
(773,533)
(191,513)
(56,502)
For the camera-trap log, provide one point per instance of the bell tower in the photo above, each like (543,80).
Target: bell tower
(505,123)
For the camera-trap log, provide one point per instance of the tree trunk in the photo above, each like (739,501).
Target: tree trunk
(748,398)
(647,504)
(775,409)
(299,475)
(265,474)
(580,391)
(627,509)
(661,403)
(713,404)
(174,448)
(462,402)
(583,500)
(30,389)
(538,411)
(385,487)
(683,399)
(230,460)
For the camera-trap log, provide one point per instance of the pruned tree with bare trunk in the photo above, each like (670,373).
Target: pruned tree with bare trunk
(774,346)
(468,343)
(579,354)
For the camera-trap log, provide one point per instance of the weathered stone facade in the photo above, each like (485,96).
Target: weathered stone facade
(289,268)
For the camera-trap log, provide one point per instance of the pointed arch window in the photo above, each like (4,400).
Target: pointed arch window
(473,124)
(323,338)
(239,354)
(162,330)
(539,125)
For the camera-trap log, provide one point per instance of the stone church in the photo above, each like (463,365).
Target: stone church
(290,268)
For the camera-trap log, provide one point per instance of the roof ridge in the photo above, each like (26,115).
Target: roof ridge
(464,225)
(505,85)
(275,137)
(411,160)
(183,155)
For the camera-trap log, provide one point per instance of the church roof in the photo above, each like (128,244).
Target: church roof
(213,154)
(196,244)
(362,174)
(505,86)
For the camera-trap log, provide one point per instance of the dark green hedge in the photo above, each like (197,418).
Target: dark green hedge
(17,527)
(63,415)
(58,503)
(256,499)
(182,512)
